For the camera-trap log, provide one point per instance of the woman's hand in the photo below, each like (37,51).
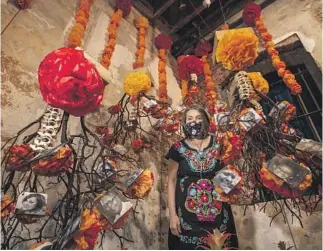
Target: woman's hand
(174,225)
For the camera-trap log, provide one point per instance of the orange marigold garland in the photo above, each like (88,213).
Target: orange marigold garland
(123,10)
(252,16)
(81,19)
(163,42)
(142,25)
(202,50)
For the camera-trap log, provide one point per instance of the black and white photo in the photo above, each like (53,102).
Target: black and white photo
(113,205)
(288,170)
(132,177)
(31,204)
(226,179)
(105,170)
(221,118)
(250,119)
(281,107)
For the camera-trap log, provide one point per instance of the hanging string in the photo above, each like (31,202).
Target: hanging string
(222,11)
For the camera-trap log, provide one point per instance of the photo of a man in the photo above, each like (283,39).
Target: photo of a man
(288,170)
(226,179)
(113,205)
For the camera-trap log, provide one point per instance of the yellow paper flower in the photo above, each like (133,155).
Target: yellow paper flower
(237,49)
(260,84)
(137,82)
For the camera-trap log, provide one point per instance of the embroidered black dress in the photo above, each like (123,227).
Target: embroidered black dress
(195,196)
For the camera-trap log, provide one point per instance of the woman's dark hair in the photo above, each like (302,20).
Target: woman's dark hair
(40,200)
(205,120)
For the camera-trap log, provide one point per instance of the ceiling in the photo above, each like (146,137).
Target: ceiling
(188,21)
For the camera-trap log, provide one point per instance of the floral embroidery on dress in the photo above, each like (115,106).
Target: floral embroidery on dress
(184,225)
(201,200)
(204,162)
(223,226)
(193,240)
(181,183)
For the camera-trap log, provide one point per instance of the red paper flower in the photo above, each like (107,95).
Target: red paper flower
(137,144)
(250,12)
(115,109)
(54,164)
(19,155)
(212,128)
(163,41)
(70,82)
(189,65)
(23,4)
(125,6)
(203,48)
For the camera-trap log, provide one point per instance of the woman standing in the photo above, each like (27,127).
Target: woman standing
(192,199)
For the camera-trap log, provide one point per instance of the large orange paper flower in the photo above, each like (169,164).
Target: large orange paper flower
(237,49)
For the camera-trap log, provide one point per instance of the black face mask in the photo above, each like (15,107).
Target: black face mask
(194,129)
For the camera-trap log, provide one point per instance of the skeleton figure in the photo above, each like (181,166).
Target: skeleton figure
(50,124)
(256,105)
(244,84)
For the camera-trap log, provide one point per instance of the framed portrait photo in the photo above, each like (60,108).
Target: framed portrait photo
(226,179)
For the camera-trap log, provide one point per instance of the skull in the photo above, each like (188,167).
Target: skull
(206,3)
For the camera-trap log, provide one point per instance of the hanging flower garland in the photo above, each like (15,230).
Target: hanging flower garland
(142,25)
(123,10)
(202,50)
(163,43)
(252,17)
(81,19)
(237,49)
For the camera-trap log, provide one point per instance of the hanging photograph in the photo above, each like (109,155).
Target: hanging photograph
(132,178)
(113,205)
(222,118)
(250,119)
(288,170)
(31,204)
(226,179)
